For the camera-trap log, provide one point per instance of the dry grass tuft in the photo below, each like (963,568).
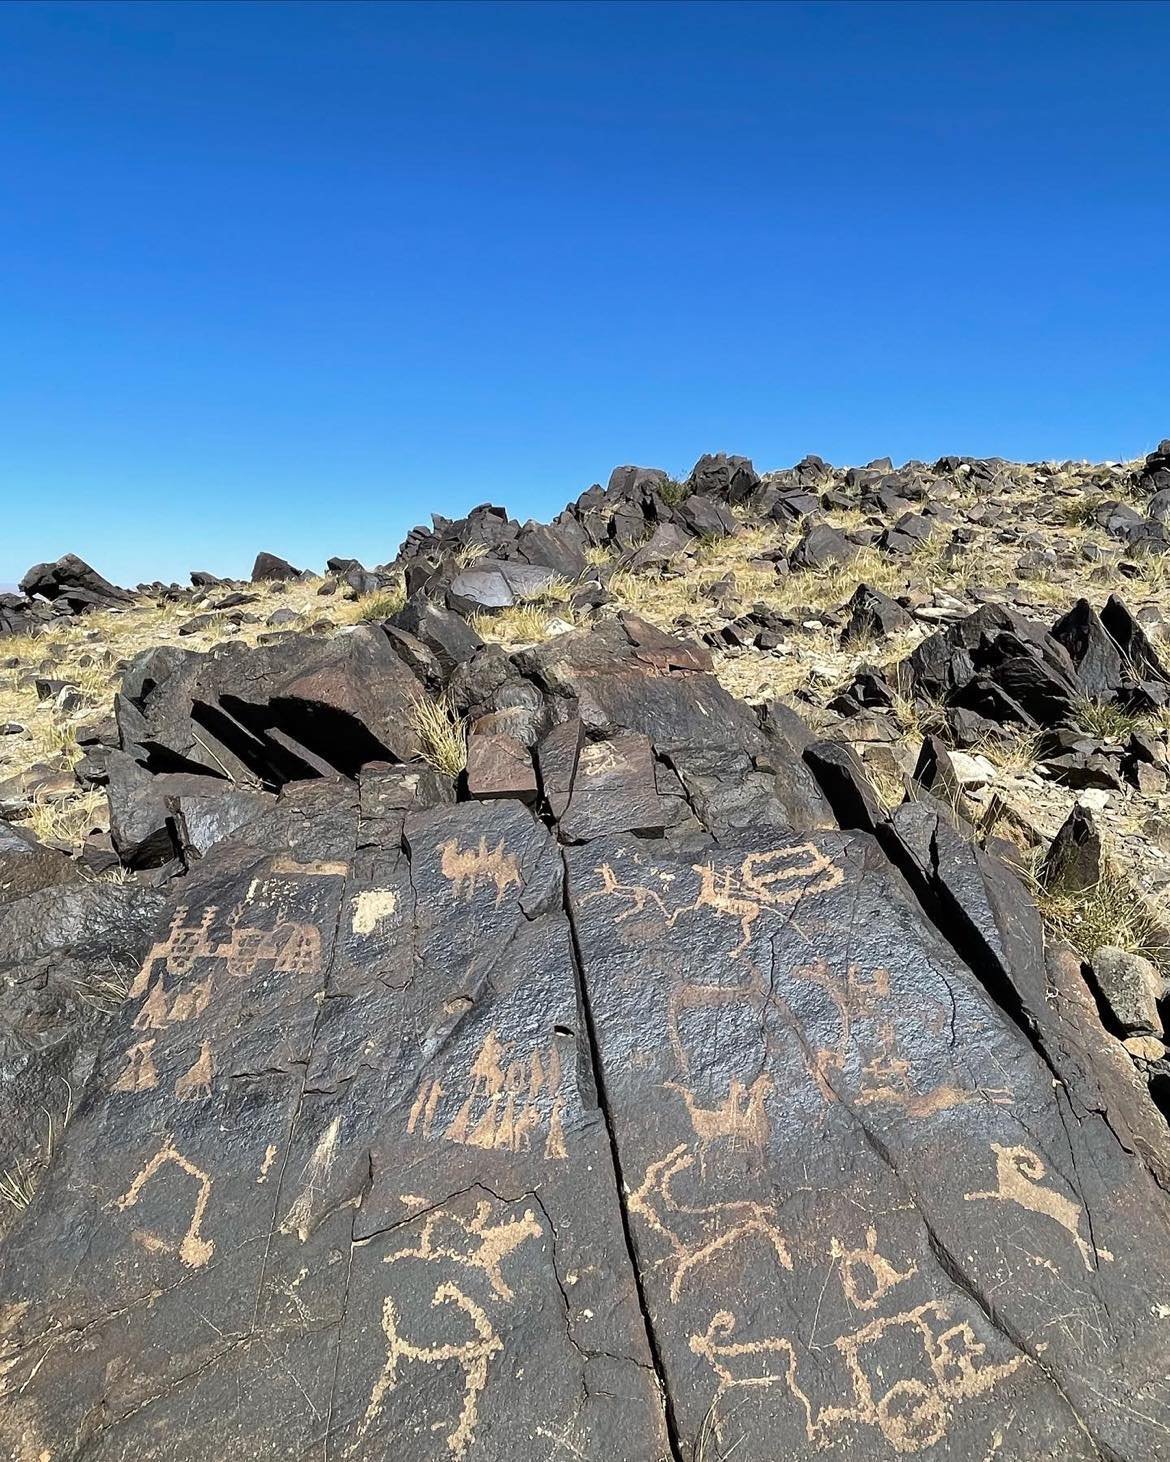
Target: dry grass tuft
(442,734)
(522,624)
(375,607)
(1111,912)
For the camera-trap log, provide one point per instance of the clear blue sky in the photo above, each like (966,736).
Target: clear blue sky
(290,276)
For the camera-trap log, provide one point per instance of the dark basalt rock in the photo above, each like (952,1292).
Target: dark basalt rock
(701,1109)
(68,951)
(718,475)
(299,708)
(74,583)
(1099,667)
(1073,862)
(872,616)
(821,545)
(268,568)
(446,635)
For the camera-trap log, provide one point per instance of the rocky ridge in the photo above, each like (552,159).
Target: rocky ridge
(464,1045)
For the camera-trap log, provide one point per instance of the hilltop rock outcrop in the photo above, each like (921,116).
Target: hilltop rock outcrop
(644,1093)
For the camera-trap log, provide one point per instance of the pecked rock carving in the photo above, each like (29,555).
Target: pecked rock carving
(701,1128)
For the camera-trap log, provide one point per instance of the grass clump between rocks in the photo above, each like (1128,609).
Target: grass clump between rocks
(442,734)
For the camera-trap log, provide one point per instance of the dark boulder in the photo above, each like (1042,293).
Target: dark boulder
(1094,653)
(873,616)
(733,479)
(447,635)
(821,545)
(268,568)
(1073,862)
(303,707)
(72,582)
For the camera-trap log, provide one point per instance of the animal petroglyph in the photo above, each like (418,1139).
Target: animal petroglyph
(699,1234)
(740,1120)
(466,867)
(472,1356)
(866,1275)
(763,883)
(193,1249)
(139,1073)
(371,907)
(1019,1174)
(886,1079)
(506,1102)
(912,1413)
(479,1248)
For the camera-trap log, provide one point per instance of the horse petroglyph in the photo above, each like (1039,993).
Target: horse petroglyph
(698,1234)
(763,883)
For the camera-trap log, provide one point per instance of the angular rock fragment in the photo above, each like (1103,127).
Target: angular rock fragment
(74,583)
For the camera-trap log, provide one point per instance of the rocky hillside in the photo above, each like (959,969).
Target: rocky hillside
(686,981)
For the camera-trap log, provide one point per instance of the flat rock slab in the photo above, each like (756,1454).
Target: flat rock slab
(857,1205)
(342,1188)
(434,1131)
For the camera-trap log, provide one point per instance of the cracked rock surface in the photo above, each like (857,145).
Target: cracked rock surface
(695,1110)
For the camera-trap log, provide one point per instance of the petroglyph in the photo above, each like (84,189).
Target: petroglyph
(866,1276)
(371,907)
(193,1249)
(292,946)
(1019,1174)
(507,1102)
(886,1079)
(911,1413)
(139,1073)
(330,868)
(195,1083)
(740,1120)
(466,867)
(478,1247)
(699,1234)
(763,883)
(472,1356)
(315,1180)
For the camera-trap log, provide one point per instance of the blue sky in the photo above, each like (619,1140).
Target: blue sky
(290,276)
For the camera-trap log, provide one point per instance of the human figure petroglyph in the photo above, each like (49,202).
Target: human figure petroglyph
(1019,1174)
(139,1073)
(509,1101)
(465,867)
(477,1247)
(740,1120)
(195,1083)
(866,1275)
(697,1234)
(193,1249)
(911,1413)
(742,894)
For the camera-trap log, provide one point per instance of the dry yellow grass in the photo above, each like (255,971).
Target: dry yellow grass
(442,734)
